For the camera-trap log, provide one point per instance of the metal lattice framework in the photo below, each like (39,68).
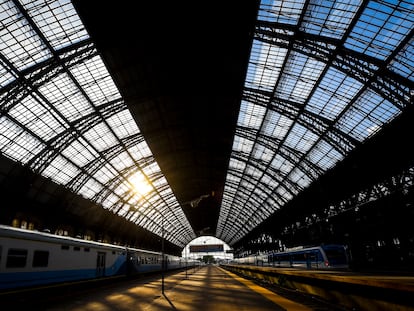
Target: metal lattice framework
(63,117)
(323,77)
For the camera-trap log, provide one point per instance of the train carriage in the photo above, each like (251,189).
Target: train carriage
(32,258)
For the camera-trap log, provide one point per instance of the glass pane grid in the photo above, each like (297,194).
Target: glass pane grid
(57,20)
(18,40)
(281,11)
(382,27)
(330,18)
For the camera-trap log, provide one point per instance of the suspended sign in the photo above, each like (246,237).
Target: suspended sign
(206,248)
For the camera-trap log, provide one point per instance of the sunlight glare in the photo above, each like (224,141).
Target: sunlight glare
(139,184)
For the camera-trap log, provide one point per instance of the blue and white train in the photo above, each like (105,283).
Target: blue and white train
(330,256)
(30,258)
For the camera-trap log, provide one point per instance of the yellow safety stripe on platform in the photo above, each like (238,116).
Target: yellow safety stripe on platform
(279,300)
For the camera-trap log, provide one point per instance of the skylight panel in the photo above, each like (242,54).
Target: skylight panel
(151,169)
(251,115)
(37,118)
(300,178)
(58,21)
(324,155)
(333,94)
(100,136)
(366,116)
(61,170)
(95,80)
(283,193)
(262,153)
(139,151)
(276,125)
(121,161)
(330,18)
(19,42)
(16,143)
(123,189)
(5,76)
(403,63)
(242,144)
(269,181)
(90,188)
(382,27)
(253,172)
(300,138)
(66,97)
(110,201)
(264,65)
(299,77)
(281,11)
(105,173)
(123,124)
(281,164)
(79,152)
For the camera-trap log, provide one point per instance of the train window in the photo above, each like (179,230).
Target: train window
(40,259)
(16,258)
(87,249)
(65,247)
(76,248)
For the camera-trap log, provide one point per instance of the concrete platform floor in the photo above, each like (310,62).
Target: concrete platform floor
(208,288)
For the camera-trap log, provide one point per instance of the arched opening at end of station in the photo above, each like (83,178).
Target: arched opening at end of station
(208,249)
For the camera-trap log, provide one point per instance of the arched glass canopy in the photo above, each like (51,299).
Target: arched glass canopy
(64,118)
(323,77)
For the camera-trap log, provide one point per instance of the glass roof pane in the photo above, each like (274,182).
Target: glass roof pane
(66,97)
(262,154)
(5,76)
(324,155)
(330,18)
(140,150)
(300,178)
(122,160)
(276,125)
(57,20)
(334,93)
(105,173)
(299,77)
(38,118)
(16,143)
(264,66)
(281,11)
(61,170)
(90,188)
(79,152)
(19,42)
(300,138)
(382,27)
(403,63)
(95,80)
(123,124)
(100,137)
(242,144)
(251,115)
(366,116)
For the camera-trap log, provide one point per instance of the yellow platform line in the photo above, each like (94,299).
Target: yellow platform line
(279,300)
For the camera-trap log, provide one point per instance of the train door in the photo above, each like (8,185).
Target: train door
(100,264)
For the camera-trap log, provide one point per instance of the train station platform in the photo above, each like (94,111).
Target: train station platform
(207,288)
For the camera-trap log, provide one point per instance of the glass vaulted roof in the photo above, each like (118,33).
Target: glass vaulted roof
(323,77)
(63,116)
